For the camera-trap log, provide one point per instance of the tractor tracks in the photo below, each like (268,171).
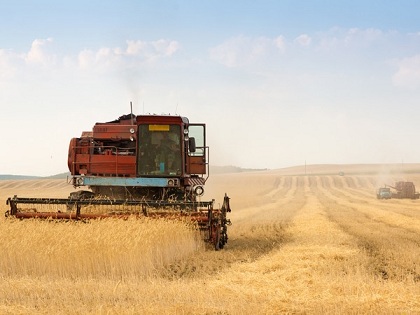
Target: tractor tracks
(392,241)
(256,231)
(388,236)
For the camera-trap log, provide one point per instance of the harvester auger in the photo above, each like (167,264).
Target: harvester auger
(148,165)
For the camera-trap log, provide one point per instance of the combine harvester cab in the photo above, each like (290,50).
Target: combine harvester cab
(147,165)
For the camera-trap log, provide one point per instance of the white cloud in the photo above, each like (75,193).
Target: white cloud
(303,40)
(164,47)
(6,65)
(136,51)
(354,38)
(408,73)
(154,49)
(366,35)
(334,50)
(242,50)
(37,53)
(41,53)
(13,64)
(280,43)
(85,58)
(135,47)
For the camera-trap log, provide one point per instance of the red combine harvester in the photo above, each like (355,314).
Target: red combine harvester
(145,165)
(404,190)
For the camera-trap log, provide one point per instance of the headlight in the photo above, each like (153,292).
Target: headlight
(199,190)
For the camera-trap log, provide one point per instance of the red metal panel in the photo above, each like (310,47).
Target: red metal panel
(113,164)
(72,155)
(151,119)
(81,163)
(108,131)
(105,164)
(196,165)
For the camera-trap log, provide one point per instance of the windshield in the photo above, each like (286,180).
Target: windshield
(159,150)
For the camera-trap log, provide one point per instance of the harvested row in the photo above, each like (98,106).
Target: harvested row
(257,230)
(391,240)
(404,207)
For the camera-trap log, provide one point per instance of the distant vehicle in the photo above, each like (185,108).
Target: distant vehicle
(384,193)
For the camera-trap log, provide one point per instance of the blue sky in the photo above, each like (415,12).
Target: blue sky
(277,82)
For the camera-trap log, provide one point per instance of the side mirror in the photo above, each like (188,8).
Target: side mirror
(191,144)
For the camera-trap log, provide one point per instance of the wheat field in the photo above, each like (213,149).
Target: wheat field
(311,240)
